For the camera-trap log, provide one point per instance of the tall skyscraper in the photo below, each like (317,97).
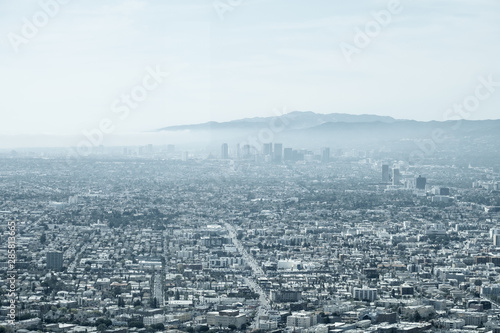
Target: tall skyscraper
(238,151)
(420,183)
(325,155)
(278,152)
(288,154)
(267,149)
(246,151)
(385,173)
(224,151)
(54,260)
(396,177)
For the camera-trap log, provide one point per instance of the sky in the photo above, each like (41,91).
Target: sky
(220,60)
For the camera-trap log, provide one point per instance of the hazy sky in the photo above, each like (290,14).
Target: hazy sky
(261,55)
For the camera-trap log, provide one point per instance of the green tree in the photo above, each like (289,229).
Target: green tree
(154,303)
(117,290)
(135,323)
(158,327)
(103,321)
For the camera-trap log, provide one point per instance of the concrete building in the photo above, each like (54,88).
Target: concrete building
(278,152)
(225,318)
(385,173)
(156,319)
(474,318)
(285,295)
(452,323)
(396,177)
(364,294)
(420,183)
(302,319)
(496,240)
(267,149)
(224,151)
(325,155)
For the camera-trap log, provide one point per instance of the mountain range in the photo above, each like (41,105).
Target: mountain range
(462,139)
(292,120)
(341,127)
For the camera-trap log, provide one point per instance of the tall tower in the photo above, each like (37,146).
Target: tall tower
(278,152)
(267,149)
(385,173)
(420,182)
(224,151)
(396,177)
(238,151)
(325,155)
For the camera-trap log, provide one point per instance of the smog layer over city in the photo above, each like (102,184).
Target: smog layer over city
(249,166)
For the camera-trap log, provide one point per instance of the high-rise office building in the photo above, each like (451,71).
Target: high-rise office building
(420,183)
(238,151)
(224,151)
(267,149)
(364,294)
(54,260)
(396,177)
(278,152)
(325,155)
(385,173)
(246,151)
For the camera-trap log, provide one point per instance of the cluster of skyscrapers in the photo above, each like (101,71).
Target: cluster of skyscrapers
(274,152)
(394,177)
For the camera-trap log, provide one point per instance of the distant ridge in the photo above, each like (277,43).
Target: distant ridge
(293,120)
(312,130)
